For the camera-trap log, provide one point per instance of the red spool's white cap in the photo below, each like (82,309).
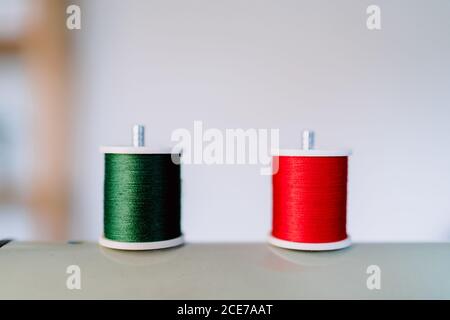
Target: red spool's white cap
(308,149)
(311,153)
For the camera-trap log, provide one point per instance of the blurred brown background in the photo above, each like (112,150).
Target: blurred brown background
(34,127)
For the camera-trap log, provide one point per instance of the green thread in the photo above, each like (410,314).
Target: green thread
(141,197)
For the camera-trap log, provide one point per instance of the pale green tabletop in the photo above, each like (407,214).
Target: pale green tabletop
(225,271)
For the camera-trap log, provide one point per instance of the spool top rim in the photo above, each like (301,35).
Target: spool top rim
(311,153)
(135,150)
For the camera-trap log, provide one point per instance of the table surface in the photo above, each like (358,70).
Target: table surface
(225,271)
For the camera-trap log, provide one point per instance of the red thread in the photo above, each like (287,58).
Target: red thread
(310,199)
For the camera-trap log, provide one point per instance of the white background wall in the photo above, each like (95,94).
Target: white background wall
(285,64)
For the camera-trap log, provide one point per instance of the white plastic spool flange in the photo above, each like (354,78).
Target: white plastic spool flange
(325,246)
(141,245)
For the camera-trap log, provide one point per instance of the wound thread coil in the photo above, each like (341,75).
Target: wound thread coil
(142,198)
(310,200)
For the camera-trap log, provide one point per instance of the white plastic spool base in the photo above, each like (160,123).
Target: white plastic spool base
(327,246)
(138,246)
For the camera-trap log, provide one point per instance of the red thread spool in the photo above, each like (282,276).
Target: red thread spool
(310,200)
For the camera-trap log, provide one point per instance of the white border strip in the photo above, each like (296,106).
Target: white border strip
(312,153)
(141,245)
(309,246)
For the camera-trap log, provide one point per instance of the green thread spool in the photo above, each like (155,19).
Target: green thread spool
(142,195)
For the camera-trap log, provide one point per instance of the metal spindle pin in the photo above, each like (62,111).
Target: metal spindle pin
(308,140)
(138,135)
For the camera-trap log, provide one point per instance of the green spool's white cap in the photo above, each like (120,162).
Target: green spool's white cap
(134,150)
(138,148)
(309,151)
